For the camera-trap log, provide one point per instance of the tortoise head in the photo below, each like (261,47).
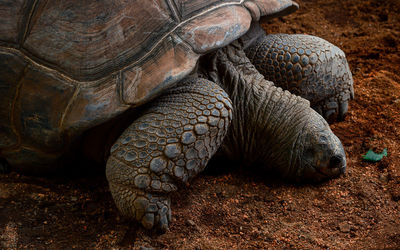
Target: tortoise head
(320,153)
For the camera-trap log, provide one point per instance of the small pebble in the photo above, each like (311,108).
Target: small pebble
(146,248)
(191,223)
(344,227)
(384,177)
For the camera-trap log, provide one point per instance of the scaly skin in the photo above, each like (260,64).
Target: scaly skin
(307,66)
(168,145)
(180,131)
(271,127)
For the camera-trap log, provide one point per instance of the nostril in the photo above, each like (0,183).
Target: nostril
(336,161)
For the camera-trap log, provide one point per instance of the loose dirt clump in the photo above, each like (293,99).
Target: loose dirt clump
(231,207)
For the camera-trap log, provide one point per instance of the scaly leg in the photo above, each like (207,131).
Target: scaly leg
(307,66)
(168,145)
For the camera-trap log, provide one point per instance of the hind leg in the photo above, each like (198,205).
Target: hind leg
(307,66)
(168,145)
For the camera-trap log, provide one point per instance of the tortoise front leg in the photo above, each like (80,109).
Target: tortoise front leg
(169,144)
(307,66)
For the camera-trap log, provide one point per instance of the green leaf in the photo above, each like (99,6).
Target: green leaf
(374,157)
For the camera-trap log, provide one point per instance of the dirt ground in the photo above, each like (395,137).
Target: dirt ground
(230,207)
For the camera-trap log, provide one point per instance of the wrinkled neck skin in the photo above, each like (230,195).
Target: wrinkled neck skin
(267,121)
(255,33)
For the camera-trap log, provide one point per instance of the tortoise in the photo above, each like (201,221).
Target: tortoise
(156,88)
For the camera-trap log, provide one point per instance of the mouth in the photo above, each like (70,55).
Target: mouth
(331,172)
(319,173)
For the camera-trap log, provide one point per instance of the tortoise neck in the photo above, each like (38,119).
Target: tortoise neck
(255,33)
(266,120)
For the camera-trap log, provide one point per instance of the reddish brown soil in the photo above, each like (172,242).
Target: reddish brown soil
(236,208)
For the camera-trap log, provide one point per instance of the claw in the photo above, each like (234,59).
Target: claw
(163,223)
(148,220)
(157,216)
(332,110)
(330,115)
(343,108)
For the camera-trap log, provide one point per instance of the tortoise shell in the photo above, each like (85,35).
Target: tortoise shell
(66,66)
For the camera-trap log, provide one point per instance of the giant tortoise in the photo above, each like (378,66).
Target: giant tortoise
(156,88)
